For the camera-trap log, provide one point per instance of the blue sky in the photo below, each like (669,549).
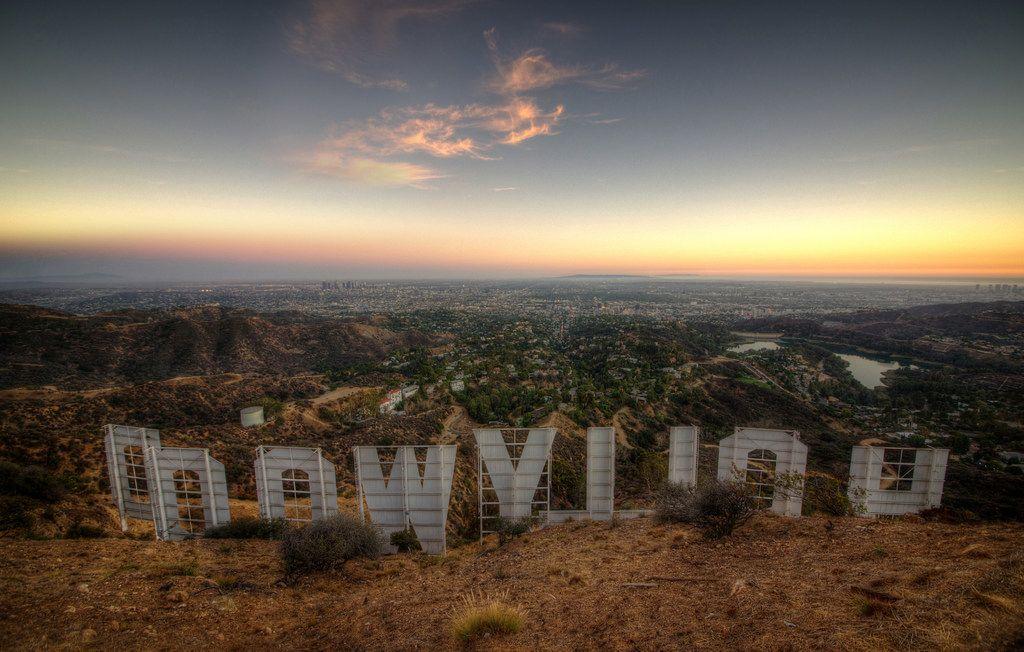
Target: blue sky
(458,138)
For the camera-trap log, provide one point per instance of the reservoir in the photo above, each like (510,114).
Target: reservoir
(754,346)
(866,371)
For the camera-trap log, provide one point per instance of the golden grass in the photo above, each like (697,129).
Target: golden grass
(479,617)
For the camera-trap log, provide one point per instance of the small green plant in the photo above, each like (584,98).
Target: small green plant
(249,528)
(183,569)
(405,540)
(326,545)
(272,408)
(508,529)
(478,617)
(501,574)
(716,507)
(228,582)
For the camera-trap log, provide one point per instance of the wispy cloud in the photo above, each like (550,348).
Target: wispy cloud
(373,172)
(472,130)
(366,150)
(568,30)
(534,70)
(350,37)
(505,189)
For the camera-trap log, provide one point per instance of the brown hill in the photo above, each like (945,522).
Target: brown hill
(47,347)
(777,584)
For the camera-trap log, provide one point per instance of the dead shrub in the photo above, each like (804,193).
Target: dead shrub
(716,507)
(326,545)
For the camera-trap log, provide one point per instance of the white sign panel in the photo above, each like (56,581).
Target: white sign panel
(126,467)
(683,445)
(411,487)
(514,469)
(772,461)
(294,483)
(893,481)
(189,492)
(601,473)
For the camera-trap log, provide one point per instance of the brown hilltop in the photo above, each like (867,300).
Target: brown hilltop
(777,584)
(47,347)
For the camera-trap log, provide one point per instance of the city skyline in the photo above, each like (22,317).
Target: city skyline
(460,139)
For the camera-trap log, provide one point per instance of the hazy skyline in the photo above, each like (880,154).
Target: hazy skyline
(459,139)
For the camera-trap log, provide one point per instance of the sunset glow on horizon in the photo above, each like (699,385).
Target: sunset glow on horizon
(452,139)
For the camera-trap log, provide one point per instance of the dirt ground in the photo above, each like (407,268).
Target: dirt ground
(777,584)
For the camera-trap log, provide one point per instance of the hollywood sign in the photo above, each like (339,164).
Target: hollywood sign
(184,490)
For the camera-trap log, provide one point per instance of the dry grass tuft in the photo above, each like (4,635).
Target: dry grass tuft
(975,551)
(478,617)
(996,601)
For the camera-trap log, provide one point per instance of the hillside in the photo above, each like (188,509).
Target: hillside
(972,335)
(777,584)
(48,347)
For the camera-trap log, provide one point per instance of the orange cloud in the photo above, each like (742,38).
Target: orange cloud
(363,150)
(433,130)
(359,151)
(533,70)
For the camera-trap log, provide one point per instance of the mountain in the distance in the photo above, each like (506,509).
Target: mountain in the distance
(46,347)
(603,276)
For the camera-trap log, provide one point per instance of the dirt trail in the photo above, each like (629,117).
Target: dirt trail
(340,392)
(620,430)
(457,425)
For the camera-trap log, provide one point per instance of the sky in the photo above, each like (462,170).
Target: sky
(484,139)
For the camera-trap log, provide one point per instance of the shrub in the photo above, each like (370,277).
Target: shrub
(82,530)
(15,512)
(508,529)
(825,494)
(405,540)
(479,617)
(30,481)
(328,544)
(716,507)
(272,408)
(248,527)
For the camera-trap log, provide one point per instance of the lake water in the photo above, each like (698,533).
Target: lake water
(754,346)
(868,372)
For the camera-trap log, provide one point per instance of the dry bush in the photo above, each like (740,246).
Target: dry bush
(328,544)
(31,482)
(716,507)
(826,495)
(248,527)
(480,617)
